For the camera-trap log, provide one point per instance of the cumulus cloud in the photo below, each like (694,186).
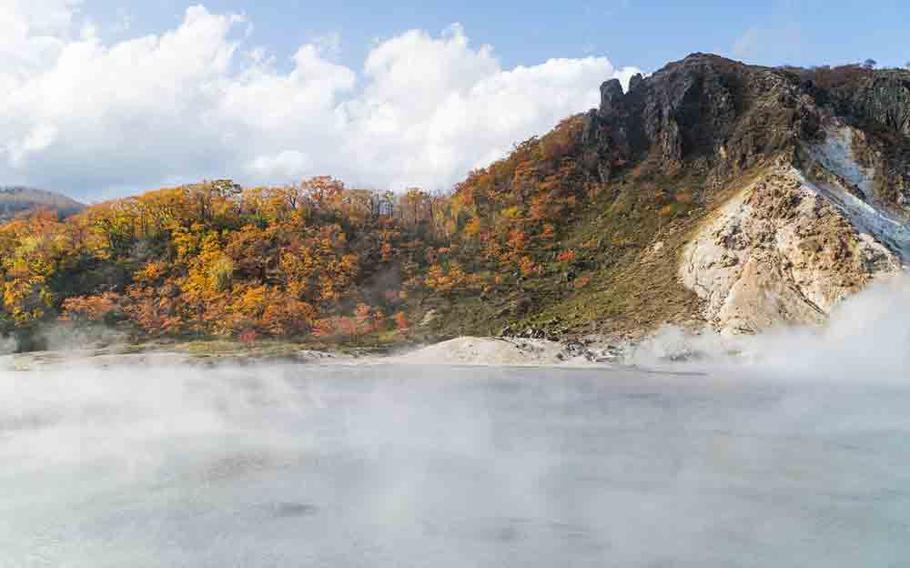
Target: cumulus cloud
(100,118)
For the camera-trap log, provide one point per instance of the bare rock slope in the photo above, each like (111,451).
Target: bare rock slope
(779,251)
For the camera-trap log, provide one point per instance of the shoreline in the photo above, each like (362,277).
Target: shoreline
(459,351)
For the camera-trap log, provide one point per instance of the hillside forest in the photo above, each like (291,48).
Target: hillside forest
(316,259)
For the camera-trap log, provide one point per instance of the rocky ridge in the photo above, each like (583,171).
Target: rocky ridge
(807,179)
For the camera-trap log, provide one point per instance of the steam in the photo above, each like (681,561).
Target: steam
(7,345)
(154,463)
(867,338)
(147,460)
(63,337)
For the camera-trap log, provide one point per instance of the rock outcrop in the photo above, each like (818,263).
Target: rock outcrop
(819,165)
(779,251)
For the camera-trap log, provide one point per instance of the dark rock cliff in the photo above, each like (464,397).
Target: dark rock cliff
(709,112)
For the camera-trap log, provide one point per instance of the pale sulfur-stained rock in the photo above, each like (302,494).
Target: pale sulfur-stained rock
(779,251)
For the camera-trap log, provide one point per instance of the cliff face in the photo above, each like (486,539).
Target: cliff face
(807,179)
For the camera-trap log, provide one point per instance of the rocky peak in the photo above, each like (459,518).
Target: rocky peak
(725,116)
(703,106)
(610,95)
(817,162)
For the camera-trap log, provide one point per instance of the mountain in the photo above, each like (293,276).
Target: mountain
(732,195)
(16,199)
(710,193)
(806,191)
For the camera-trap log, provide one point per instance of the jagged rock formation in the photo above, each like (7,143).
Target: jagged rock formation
(807,178)
(16,199)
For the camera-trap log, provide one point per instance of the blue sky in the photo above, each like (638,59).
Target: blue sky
(630,32)
(102,98)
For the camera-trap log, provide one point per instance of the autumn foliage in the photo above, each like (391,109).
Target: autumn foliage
(313,259)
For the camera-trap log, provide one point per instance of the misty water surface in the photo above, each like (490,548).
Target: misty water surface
(295,465)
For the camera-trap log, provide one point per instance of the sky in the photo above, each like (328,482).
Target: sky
(102,98)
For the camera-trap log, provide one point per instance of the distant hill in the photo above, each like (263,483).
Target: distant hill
(15,200)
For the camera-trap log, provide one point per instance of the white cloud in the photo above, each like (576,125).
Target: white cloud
(101,118)
(288,164)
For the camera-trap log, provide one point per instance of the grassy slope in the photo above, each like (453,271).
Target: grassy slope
(633,282)
(635,231)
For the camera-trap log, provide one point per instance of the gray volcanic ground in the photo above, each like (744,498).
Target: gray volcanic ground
(391,465)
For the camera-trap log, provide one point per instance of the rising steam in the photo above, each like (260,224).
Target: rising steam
(867,337)
(146,461)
